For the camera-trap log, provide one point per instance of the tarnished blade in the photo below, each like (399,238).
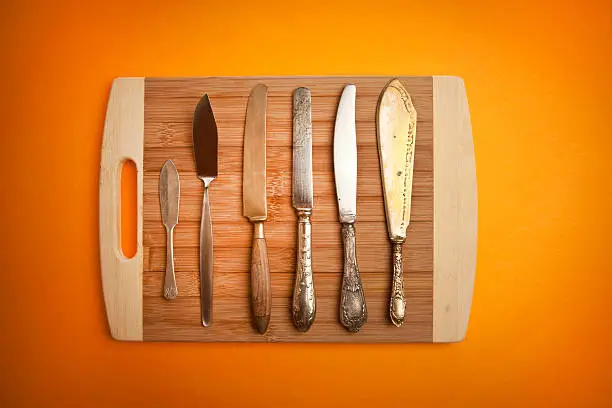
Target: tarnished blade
(345,156)
(302,149)
(169,191)
(254,164)
(205,139)
(396,128)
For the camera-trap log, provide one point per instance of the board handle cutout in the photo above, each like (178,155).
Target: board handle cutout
(122,141)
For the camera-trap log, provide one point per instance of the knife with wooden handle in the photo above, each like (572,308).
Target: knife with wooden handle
(205,153)
(169,195)
(353,311)
(254,205)
(304,303)
(396,131)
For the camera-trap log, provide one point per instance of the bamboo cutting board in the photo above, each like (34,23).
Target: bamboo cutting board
(149,120)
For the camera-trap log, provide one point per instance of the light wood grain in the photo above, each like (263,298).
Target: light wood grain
(455,210)
(149,121)
(169,105)
(121,277)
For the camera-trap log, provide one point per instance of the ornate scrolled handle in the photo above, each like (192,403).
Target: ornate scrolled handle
(397,305)
(353,312)
(304,303)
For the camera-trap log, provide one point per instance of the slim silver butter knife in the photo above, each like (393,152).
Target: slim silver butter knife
(169,195)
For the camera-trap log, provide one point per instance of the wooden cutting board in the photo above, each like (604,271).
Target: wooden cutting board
(149,120)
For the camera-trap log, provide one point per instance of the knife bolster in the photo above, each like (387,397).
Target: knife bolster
(258,231)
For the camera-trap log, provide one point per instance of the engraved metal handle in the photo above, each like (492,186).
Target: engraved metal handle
(304,303)
(397,305)
(206,260)
(170,290)
(353,312)
(261,294)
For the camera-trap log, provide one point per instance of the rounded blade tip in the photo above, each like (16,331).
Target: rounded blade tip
(349,89)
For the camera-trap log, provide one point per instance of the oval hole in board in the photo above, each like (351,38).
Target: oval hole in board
(128,208)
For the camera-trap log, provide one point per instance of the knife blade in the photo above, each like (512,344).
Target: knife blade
(396,132)
(169,196)
(254,203)
(205,153)
(353,311)
(304,303)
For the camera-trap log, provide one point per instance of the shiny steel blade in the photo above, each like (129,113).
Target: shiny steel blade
(205,139)
(396,129)
(254,162)
(302,150)
(345,156)
(169,193)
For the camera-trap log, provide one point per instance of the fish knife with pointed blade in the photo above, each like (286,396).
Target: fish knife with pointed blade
(205,153)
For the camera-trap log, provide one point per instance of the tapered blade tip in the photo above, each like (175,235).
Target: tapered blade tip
(168,165)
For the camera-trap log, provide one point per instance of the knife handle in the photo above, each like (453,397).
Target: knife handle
(261,294)
(170,290)
(304,303)
(353,311)
(206,260)
(397,305)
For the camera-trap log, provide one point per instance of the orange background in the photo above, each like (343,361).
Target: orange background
(538,82)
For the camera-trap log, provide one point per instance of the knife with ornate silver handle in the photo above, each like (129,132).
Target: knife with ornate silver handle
(169,195)
(304,303)
(396,132)
(205,153)
(353,311)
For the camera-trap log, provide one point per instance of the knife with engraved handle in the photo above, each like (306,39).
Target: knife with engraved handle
(254,205)
(169,195)
(396,131)
(353,311)
(205,153)
(304,303)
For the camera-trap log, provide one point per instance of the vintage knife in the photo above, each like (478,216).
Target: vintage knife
(396,130)
(304,304)
(254,203)
(353,312)
(169,194)
(205,153)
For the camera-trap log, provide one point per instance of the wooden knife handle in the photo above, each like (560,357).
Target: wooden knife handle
(304,303)
(170,290)
(261,294)
(353,312)
(397,305)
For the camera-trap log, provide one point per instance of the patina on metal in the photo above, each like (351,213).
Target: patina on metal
(396,132)
(304,302)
